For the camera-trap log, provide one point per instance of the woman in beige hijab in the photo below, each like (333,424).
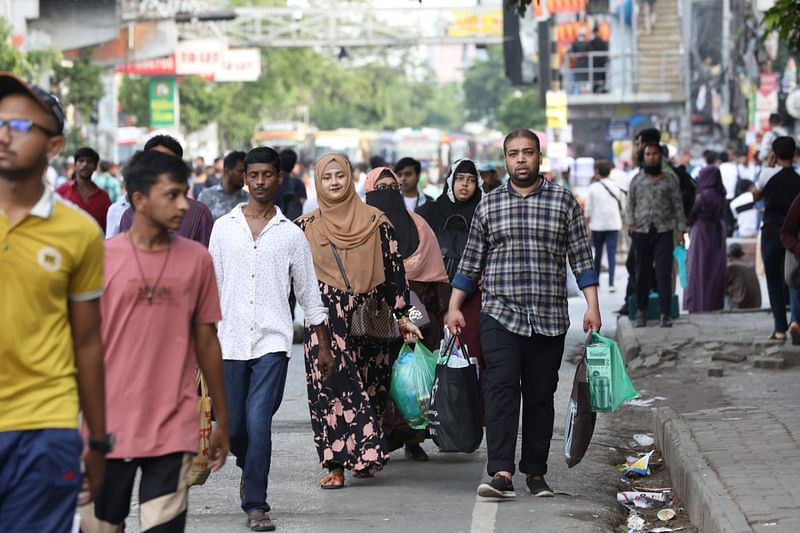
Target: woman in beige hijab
(347,406)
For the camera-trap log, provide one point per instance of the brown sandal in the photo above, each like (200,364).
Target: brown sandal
(259,521)
(334,480)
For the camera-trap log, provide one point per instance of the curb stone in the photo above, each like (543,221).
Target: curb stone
(626,338)
(707,502)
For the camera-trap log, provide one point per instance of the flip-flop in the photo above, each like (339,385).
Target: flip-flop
(333,481)
(774,337)
(259,521)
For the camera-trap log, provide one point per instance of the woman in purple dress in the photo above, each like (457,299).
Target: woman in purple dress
(705,262)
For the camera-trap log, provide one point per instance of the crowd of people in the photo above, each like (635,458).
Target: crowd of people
(117,295)
(121,329)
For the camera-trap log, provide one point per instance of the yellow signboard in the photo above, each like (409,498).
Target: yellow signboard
(556,109)
(466,24)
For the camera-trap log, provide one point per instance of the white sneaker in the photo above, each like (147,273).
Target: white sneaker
(612,289)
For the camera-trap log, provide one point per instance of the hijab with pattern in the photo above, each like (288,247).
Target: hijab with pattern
(352,226)
(425,263)
(443,210)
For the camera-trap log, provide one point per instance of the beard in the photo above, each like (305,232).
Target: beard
(652,170)
(525,181)
(23,173)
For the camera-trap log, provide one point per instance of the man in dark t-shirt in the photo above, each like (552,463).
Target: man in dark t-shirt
(778,194)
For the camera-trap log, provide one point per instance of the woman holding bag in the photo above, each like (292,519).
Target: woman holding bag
(427,279)
(359,269)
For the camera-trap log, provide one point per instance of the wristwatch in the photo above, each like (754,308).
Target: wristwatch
(105,445)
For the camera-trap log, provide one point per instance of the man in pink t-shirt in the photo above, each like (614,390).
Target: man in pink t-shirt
(159,308)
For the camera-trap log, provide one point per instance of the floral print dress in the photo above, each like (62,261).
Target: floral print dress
(347,409)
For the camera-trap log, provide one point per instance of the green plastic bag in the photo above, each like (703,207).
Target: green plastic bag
(412,380)
(609,384)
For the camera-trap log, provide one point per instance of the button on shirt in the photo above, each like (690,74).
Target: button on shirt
(519,246)
(254,279)
(655,204)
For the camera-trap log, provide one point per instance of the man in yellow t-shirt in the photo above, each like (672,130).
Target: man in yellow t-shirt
(51,355)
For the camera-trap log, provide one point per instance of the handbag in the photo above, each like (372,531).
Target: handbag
(199,472)
(579,425)
(372,318)
(791,270)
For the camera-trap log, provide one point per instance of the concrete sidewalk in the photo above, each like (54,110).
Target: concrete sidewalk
(731,441)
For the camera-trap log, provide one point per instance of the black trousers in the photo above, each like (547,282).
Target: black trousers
(654,247)
(516,365)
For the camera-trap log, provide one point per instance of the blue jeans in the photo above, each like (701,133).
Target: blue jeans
(254,390)
(773,254)
(40,476)
(609,239)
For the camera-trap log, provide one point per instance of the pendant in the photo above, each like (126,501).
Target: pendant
(150,292)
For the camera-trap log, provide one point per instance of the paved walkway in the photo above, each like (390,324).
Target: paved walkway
(732,443)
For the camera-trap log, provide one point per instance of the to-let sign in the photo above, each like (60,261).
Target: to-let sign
(239,65)
(202,57)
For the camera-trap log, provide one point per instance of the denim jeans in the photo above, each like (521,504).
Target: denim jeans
(254,390)
(773,254)
(609,239)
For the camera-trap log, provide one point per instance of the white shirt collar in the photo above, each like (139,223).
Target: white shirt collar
(44,207)
(237,214)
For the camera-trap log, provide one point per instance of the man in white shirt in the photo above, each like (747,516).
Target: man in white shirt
(730,175)
(776,130)
(603,211)
(408,172)
(258,255)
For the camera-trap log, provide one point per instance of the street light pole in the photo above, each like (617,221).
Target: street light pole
(725,64)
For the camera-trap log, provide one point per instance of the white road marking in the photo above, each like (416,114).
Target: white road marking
(483,516)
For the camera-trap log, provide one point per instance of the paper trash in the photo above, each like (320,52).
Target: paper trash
(643,440)
(642,500)
(634,465)
(635,523)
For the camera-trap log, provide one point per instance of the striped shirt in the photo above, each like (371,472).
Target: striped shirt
(519,245)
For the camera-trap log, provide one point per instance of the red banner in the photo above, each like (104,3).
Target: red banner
(162,66)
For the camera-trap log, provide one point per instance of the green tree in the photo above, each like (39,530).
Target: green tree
(784,17)
(521,109)
(199,103)
(11,58)
(134,99)
(486,87)
(80,84)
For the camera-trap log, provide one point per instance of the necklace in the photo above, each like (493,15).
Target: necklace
(150,291)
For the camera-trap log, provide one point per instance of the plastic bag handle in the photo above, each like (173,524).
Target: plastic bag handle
(449,348)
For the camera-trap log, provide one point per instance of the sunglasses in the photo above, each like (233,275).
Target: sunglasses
(22,125)
(387,187)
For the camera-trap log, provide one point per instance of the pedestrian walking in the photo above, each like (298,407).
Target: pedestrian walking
(655,212)
(198,221)
(648,7)
(604,210)
(258,255)
(51,355)
(450,217)
(159,314)
(82,191)
(292,192)
(706,260)
(408,172)
(347,408)
(520,237)
(223,197)
(108,182)
(426,278)
(489,176)
(778,194)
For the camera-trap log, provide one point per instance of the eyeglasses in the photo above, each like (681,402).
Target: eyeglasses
(387,187)
(22,125)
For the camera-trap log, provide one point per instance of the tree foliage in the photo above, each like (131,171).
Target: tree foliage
(784,17)
(134,99)
(80,84)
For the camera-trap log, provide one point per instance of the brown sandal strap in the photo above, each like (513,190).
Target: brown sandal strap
(334,479)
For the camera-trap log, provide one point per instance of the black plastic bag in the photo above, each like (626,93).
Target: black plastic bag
(454,419)
(579,425)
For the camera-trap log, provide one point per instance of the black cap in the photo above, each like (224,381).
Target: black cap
(11,84)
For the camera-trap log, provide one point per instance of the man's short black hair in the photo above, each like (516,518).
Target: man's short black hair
(167,141)
(408,162)
(145,167)
(218,159)
(105,166)
(649,135)
(604,167)
(723,157)
(263,154)
(86,152)
(710,156)
(524,133)
(232,159)
(288,159)
(784,148)
(377,161)
(775,119)
(651,142)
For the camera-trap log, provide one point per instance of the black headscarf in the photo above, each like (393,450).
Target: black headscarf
(447,210)
(390,201)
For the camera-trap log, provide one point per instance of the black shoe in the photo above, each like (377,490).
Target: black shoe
(641,321)
(623,311)
(539,487)
(498,487)
(414,452)
(666,321)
